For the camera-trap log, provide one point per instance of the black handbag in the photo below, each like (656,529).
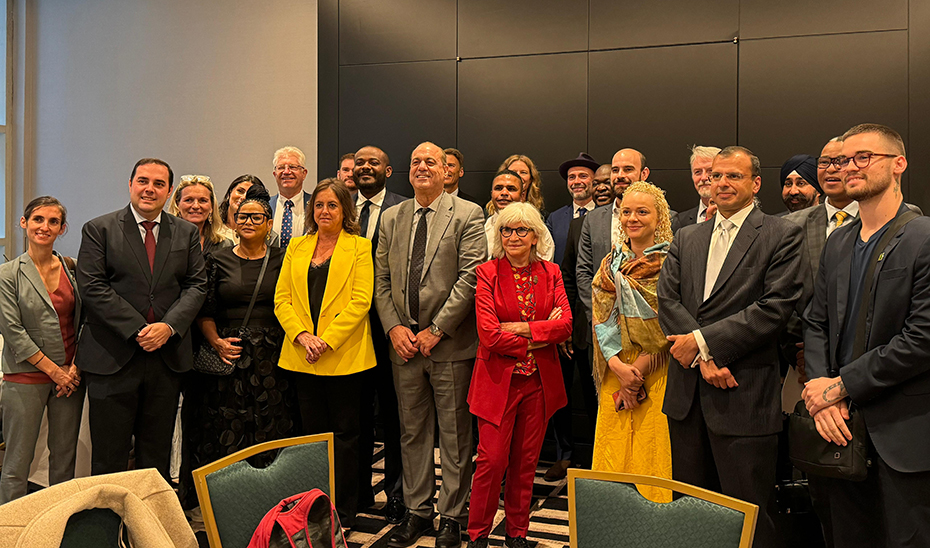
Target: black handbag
(807,449)
(206,359)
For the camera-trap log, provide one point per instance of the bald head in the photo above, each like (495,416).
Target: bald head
(627,167)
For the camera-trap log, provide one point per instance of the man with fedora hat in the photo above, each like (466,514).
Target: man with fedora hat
(579,176)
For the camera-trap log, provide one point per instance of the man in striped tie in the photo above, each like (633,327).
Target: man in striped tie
(289,204)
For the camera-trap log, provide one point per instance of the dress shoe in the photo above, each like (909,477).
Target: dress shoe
(480,543)
(558,470)
(449,535)
(395,511)
(515,542)
(409,531)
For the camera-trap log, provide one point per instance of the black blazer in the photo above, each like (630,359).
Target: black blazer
(687,217)
(755,293)
(890,382)
(118,288)
(390,199)
(581,329)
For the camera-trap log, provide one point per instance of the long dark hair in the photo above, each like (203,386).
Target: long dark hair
(349,222)
(247,178)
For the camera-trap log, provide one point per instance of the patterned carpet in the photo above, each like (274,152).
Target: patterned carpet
(548,514)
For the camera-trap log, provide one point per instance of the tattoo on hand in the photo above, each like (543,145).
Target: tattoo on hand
(841,393)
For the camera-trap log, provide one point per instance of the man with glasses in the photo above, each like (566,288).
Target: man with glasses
(727,288)
(428,250)
(873,355)
(292,200)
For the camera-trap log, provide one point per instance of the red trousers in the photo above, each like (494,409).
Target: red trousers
(512,447)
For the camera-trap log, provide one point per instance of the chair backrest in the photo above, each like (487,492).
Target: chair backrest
(94,528)
(606,509)
(234,496)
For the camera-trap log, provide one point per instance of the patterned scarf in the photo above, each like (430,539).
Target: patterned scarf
(625,305)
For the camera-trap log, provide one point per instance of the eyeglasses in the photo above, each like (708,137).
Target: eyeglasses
(522,231)
(285,167)
(731,177)
(861,159)
(256,218)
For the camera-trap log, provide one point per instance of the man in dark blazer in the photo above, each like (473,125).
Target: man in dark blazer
(888,378)
(292,201)
(372,170)
(701,160)
(726,290)
(579,176)
(455,172)
(142,281)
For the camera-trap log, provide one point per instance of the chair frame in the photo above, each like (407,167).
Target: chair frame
(750,511)
(203,492)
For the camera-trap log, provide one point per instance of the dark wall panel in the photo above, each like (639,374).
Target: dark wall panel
(918,143)
(679,190)
(789,107)
(770,193)
(327,88)
(662,100)
(396,107)
(398,30)
(493,28)
(765,18)
(661,22)
(528,105)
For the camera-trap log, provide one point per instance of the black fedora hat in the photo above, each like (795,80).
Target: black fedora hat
(583,160)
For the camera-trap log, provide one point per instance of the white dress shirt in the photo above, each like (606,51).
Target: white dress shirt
(454,192)
(852,209)
(737,219)
(140,219)
(374,210)
(297,212)
(615,228)
(700,212)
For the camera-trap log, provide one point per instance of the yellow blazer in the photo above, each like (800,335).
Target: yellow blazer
(344,321)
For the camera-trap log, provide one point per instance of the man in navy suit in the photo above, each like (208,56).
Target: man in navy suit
(579,175)
(287,206)
(372,169)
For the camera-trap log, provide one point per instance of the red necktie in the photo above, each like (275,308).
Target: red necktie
(149,227)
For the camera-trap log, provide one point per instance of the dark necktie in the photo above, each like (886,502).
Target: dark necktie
(363,217)
(581,212)
(416,267)
(149,227)
(287,224)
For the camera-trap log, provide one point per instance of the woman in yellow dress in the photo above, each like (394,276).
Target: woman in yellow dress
(631,352)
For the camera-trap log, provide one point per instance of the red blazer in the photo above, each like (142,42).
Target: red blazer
(499,352)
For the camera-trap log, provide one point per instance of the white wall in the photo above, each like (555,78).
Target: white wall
(211,87)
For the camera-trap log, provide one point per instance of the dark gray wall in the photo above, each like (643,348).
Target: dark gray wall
(551,78)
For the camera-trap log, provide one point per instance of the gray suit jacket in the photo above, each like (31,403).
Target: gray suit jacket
(28,320)
(455,247)
(755,293)
(890,382)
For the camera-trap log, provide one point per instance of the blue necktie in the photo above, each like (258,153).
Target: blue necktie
(287,224)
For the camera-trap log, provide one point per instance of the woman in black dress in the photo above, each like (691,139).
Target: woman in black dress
(257,401)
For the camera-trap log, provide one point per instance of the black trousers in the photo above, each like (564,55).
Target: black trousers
(738,466)
(889,509)
(561,421)
(140,400)
(379,383)
(332,404)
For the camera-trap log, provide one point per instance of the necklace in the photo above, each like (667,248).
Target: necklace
(240,253)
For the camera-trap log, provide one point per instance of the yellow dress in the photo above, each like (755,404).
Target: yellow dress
(632,441)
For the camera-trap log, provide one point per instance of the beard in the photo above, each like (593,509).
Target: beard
(704,192)
(869,188)
(379,181)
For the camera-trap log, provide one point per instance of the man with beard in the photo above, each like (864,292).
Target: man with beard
(346,168)
(506,188)
(372,169)
(800,189)
(701,159)
(601,228)
(603,190)
(579,175)
(867,347)
(455,172)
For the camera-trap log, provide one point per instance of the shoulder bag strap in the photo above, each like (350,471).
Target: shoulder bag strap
(258,284)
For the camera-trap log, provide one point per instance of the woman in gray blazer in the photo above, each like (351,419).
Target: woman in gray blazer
(40,311)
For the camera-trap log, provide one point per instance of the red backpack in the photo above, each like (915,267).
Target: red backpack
(307,520)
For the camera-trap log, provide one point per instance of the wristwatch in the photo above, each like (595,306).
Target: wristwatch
(435,331)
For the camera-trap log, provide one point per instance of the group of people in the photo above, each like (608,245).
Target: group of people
(326,298)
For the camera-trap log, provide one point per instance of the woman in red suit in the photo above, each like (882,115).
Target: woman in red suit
(516,386)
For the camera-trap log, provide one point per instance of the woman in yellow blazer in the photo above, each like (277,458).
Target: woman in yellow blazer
(322,301)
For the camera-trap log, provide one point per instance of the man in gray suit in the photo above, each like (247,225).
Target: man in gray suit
(425,280)
(726,290)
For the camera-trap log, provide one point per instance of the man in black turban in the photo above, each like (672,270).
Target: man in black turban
(800,189)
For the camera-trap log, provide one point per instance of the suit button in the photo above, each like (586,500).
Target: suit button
(152,297)
(700,320)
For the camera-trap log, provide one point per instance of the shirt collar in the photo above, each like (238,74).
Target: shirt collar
(737,218)
(589,206)
(852,209)
(140,218)
(377,199)
(295,200)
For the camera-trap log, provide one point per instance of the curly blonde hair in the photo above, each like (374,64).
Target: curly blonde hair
(664,224)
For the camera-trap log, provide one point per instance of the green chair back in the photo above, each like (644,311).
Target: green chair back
(607,512)
(234,496)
